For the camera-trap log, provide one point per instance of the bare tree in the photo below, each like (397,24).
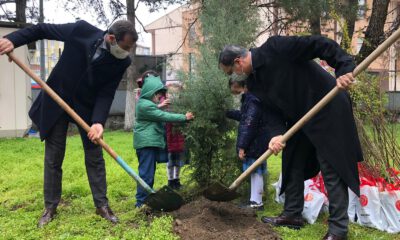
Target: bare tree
(375,33)
(130,75)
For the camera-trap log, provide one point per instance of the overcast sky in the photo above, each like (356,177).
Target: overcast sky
(56,14)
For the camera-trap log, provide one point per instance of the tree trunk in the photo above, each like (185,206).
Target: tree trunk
(20,6)
(315,25)
(315,18)
(130,76)
(375,31)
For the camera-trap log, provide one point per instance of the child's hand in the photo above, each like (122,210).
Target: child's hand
(242,155)
(276,145)
(164,104)
(189,116)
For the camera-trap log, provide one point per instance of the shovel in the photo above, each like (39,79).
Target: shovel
(219,192)
(164,199)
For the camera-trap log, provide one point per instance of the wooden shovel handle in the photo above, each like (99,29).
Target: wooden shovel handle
(313,111)
(79,120)
(59,101)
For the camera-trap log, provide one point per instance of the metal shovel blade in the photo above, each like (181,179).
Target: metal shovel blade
(164,199)
(218,192)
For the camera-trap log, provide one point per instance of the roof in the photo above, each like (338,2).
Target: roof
(167,19)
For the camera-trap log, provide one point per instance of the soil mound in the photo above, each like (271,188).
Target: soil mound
(204,219)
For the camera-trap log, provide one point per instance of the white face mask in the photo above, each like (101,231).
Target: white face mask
(117,51)
(239,77)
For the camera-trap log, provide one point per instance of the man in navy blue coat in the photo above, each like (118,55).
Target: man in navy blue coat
(283,75)
(86,77)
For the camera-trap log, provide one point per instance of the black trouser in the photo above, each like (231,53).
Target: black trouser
(53,159)
(337,189)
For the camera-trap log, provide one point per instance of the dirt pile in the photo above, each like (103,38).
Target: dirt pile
(204,219)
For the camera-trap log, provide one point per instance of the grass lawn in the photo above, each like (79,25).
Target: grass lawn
(21,197)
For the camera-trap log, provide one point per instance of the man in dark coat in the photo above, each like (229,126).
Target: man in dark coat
(86,77)
(283,75)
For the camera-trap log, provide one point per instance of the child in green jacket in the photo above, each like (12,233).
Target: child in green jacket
(149,131)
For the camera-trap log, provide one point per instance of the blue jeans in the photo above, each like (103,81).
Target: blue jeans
(262,169)
(147,158)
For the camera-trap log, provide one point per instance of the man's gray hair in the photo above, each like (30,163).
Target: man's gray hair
(230,52)
(121,28)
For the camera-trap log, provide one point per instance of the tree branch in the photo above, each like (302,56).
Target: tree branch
(271,25)
(137,5)
(5,13)
(184,39)
(267,5)
(141,24)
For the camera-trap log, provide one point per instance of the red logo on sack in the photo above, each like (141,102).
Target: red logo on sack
(398,205)
(363,200)
(308,197)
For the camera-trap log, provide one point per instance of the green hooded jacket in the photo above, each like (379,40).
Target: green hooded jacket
(149,130)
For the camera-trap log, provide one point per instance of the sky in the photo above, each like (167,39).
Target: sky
(56,14)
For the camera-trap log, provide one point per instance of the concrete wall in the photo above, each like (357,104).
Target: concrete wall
(393,101)
(15,94)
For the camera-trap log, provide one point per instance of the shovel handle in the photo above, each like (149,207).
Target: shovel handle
(79,121)
(313,111)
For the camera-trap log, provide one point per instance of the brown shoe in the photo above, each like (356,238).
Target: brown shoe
(47,216)
(106,213)
(284,221)
(330,236)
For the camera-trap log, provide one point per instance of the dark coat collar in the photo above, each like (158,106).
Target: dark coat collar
(257,58)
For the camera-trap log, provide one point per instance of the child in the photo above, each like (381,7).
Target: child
(176,155)
(252,139)
(164,102)
(149,132)
(176,150)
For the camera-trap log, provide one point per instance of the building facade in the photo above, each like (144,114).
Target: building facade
(175,34)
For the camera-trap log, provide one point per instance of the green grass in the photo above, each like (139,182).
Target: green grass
(21,197)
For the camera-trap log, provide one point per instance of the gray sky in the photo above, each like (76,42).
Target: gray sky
(56,14)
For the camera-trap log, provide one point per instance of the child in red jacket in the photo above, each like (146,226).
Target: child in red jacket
(176,154)
(176,148)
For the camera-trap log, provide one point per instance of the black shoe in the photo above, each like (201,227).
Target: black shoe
(284,221)
(177,183)
(252,205)
(47,216)
(106,213)
(171,184)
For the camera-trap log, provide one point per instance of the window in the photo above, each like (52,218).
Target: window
(359,44)
(192,62)
(362,7)
(398,9)
(192,35)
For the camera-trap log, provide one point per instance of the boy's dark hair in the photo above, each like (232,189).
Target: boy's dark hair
(149,73)
(240,83)
(230,52)
(121,28)
(162,92)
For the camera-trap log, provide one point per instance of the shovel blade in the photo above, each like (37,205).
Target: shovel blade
(218,192)
(165,200)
